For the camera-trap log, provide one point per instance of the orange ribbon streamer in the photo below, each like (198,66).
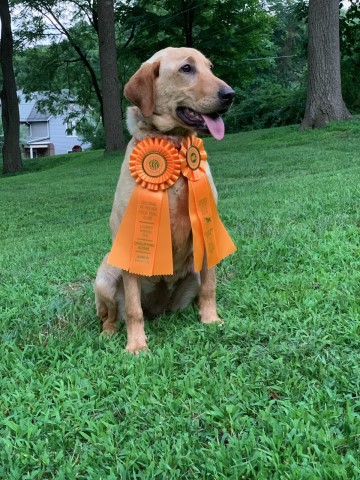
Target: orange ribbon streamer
(138,247)
(208,230)
(143,242)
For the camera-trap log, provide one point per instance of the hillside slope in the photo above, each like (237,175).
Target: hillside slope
(272,394)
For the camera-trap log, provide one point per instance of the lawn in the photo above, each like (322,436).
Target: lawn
(274,393)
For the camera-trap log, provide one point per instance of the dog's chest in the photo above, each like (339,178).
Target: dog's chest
(179,213)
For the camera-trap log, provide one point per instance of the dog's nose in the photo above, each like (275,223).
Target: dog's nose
(226,94)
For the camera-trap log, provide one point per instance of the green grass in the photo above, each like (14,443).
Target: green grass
(272,394)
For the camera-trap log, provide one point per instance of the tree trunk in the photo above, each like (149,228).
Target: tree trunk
(114,138)
(324,97)
(188,10)
(9,103)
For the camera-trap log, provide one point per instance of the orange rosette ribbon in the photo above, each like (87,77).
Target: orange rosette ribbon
(143,242)
(208,230)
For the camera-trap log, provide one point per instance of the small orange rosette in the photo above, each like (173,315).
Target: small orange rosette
(193,158)
(143,242)
(208,230)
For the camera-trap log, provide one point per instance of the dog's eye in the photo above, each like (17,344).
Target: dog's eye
(187,68)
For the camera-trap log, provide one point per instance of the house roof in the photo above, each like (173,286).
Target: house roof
(36,116)
(29,112)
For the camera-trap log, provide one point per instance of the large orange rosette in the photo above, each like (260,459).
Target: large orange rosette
(208,230)
(138,246)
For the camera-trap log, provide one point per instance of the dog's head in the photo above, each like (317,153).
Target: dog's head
(176,89)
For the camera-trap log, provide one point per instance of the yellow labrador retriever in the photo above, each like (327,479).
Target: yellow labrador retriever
(175,94)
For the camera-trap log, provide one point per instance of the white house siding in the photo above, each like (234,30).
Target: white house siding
(63,143)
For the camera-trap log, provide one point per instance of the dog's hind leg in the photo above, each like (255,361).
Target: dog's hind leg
(109,293)
(185,292)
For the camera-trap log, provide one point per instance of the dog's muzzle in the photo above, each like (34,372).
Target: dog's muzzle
(226,95)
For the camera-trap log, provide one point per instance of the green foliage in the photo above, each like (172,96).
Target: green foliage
(142,29)
(277,95)
(268,105)
(56,71)
(93,136)
(272,394)
(350,41)
(226,31)
(289,37)
(258,47)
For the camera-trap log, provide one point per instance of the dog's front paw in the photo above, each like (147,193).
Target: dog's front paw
(136,345)
(211,319)
(208,314)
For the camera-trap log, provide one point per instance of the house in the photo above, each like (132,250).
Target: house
(44,134)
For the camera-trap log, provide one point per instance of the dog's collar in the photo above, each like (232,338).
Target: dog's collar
(174,140)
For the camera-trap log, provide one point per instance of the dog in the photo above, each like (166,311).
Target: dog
(174,94)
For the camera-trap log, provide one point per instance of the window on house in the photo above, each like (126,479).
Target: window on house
(71,128)
(39,129)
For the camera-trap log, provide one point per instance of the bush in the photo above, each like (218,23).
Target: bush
(96,136)
(350,83)
(92,133)
(266,105)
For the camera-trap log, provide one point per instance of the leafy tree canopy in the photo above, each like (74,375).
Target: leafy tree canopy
(227,31)
(257,46)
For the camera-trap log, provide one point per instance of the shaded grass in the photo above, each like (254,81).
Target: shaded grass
(274,393)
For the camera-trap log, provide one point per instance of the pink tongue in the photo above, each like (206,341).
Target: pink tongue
(216,126)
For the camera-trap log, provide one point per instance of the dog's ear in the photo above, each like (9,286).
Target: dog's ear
(140,89)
